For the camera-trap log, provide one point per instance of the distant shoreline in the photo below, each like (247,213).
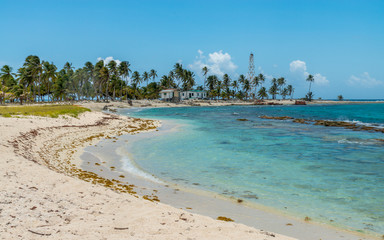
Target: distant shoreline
(101,105)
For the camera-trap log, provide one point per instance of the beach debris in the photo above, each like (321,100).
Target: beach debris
(269,234)
(289,224)
(307,219)
(242,119)
(226,219)
(240,200)
(121,228)
(41,234)
(181,217)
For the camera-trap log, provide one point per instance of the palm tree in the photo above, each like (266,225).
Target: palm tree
(246,87)
(211,83)
(153,74)
(261,79)
(105,77)
(280,83)
(226,84)
(98,78)
(178,73)
(205,71)
(112,66)
(241,79)
(145,77)
(136,79)
(124,71)
(284,93)
(290,90)
(89,68)
(255,82)
(188,79)
(262,93)
(310,79)
(49,76)
(7,78)
(235,85)
(35,68)
(273,90)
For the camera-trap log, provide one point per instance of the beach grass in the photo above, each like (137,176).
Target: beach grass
(52,111)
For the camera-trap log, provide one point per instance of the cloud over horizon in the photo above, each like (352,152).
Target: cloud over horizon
(108,59)
(364,80)
(218,63)
(299,69)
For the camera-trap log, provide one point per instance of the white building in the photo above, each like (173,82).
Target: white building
(169,94)
(193,94)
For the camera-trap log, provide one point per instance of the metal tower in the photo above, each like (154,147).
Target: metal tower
(251,68)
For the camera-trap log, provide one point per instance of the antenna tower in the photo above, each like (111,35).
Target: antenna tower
(251,68)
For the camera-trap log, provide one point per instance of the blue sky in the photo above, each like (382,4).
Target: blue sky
(340,42)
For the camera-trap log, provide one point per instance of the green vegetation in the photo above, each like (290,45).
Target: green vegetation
(41,81)
(310,95)
(43,111)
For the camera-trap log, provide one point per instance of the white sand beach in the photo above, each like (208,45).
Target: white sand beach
(41,197)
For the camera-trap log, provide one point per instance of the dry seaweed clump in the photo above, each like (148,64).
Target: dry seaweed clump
(152,198)
(307,219)
(221,218)
(242,119)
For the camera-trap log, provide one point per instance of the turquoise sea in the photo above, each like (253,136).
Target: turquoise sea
(329,174)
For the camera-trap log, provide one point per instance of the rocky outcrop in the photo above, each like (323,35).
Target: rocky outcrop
(328,123)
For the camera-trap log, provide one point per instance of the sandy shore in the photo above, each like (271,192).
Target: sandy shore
(44,194)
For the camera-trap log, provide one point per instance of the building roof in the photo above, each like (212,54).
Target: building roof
(195,91)
(168,90)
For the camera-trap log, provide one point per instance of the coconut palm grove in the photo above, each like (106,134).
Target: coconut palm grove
(42,81)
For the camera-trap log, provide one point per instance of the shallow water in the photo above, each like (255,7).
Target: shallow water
(330,174)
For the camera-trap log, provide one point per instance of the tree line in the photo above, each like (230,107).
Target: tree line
(41,81)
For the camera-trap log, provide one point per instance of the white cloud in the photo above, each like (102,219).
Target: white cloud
(108,59)
(364,80)
(218,63)
(299,68)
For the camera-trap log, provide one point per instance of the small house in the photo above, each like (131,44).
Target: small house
(170,94)
(193,94)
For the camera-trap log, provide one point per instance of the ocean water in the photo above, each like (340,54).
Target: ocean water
(329,174)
